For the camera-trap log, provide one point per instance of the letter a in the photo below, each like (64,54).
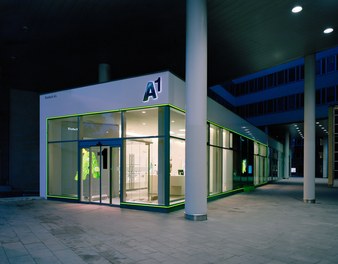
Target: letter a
(150,92)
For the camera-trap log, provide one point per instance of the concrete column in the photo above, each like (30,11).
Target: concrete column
(325,157)
(309,128)
(196,111)
(331,148)
(104,72)
(287,156)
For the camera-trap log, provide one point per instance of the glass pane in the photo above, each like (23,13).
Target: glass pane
(226,139)
(105,125)
(141,180)
(177,123)
(141,123)
(330,94)
(263,150)
(227,170)
(330,63)
(215,170)
(215,136)
(177,170)
(115,174)
(105,170)
(257,170)
(256,148)
(63,129)
(62,169)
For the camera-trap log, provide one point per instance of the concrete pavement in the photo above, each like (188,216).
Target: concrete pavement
(269,225)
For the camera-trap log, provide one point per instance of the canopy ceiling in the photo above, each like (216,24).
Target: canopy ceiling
(52,45)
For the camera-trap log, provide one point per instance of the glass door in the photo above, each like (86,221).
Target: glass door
(100,173)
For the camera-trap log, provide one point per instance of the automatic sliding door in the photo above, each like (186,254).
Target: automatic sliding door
(100,174)
(90,168)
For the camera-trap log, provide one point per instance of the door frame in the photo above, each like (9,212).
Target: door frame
(115,143)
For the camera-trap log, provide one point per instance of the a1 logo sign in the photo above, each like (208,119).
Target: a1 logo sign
(153,88)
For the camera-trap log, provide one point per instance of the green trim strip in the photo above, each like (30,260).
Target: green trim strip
(177,108)
(62,197)
(47,159)
(152,205)
(224,193)
(144,205)
(261,184)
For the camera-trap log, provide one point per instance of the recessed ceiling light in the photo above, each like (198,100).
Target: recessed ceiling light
(328,30)
(297,9)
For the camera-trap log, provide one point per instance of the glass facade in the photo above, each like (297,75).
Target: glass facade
(325,94)
(62,169)
(177,156)
(137,157)
(144,183)
(177,170)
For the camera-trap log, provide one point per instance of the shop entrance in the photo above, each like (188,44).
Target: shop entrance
(100,172)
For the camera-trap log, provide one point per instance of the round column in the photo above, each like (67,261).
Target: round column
(325,157)
(287,156)
(196,111)
(309,128)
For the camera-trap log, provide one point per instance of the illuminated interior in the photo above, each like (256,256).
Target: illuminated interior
(137,156)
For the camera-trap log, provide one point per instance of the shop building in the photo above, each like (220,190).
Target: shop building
(122,143)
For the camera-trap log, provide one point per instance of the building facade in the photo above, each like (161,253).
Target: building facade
(273,100)
(122,143)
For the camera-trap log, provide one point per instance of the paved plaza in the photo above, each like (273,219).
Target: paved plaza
(269,225)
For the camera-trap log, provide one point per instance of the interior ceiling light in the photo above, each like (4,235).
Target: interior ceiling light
(328,30)
(297,9)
